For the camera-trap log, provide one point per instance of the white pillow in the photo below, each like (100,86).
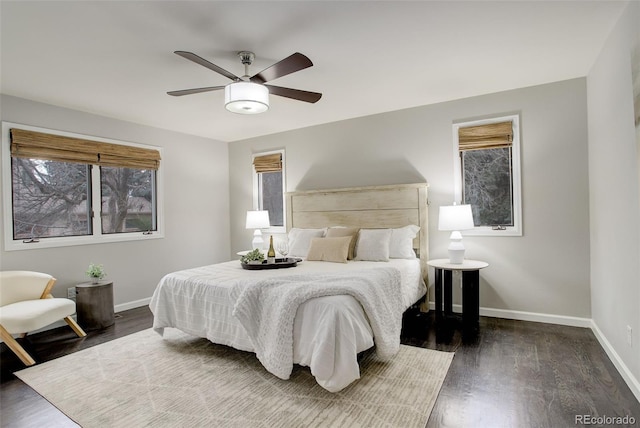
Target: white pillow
(373,245)
(401,243)
(300,240)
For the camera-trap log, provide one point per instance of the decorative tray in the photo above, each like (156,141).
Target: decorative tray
(279,264)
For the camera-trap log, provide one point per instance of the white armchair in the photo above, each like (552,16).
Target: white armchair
(26,304)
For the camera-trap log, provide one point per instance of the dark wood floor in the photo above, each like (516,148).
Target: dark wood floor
(510,374)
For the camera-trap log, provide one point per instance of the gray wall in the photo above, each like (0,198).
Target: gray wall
(614,194)
(546,271)
(196,207)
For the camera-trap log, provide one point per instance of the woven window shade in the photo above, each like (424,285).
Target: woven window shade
(38,145)
(268,163)
(490,136)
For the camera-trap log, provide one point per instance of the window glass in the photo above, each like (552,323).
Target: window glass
(49,198)
(271,196)
(128,200)
(487,186)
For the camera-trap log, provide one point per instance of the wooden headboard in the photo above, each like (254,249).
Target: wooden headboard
(364,207)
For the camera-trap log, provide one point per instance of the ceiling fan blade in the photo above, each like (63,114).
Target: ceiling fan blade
(203,62)
(295,94)
(290,64)
(194,91)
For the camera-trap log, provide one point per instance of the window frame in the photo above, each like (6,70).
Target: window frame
(257,189)
(516,182)
(97,237)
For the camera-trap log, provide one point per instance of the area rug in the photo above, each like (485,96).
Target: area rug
(177,380)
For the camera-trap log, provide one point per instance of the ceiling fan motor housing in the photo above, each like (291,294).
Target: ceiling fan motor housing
(246,97)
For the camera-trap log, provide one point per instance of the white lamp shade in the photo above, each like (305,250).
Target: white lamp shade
(246,97)
(455,217)
(257,220)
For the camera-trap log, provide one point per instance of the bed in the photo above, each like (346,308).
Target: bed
(334,310)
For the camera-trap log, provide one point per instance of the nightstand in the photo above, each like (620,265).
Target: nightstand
(470,288)
(94,305)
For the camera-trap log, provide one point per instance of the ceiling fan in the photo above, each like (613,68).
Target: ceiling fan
(250,94)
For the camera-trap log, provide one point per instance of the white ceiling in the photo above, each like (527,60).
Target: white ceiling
(116,58)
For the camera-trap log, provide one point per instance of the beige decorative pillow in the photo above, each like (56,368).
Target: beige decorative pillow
(329,249)
(335,232)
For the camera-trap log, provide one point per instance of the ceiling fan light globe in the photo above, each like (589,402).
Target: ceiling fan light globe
(246,98)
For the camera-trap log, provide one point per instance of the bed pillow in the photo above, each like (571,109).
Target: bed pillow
(373,245)
(300,240)
(329,249)
(401,243)
(335,232)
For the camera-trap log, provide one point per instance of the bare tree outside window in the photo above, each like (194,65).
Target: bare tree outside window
(128,200)
(487,186)
(272,196)
(50,198)
(53,199)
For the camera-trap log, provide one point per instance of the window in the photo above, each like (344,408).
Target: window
(49,199)
(67,189)
(128,200)
(269,187)
(487,174)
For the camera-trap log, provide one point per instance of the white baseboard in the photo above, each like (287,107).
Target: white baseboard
(622,368)
(536,317)
(132,305)
(527,316)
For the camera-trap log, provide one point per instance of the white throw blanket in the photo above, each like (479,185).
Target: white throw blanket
(267,310)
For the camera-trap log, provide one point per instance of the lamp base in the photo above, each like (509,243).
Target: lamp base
(456,257)
(258,242)
(456,249)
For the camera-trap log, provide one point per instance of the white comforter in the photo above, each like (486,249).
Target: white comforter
(267,310)
(328,332)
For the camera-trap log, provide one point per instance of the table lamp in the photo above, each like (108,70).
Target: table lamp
(257,220)
(455,218)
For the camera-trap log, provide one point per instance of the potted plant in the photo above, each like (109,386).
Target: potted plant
(95,272)
(254,257)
